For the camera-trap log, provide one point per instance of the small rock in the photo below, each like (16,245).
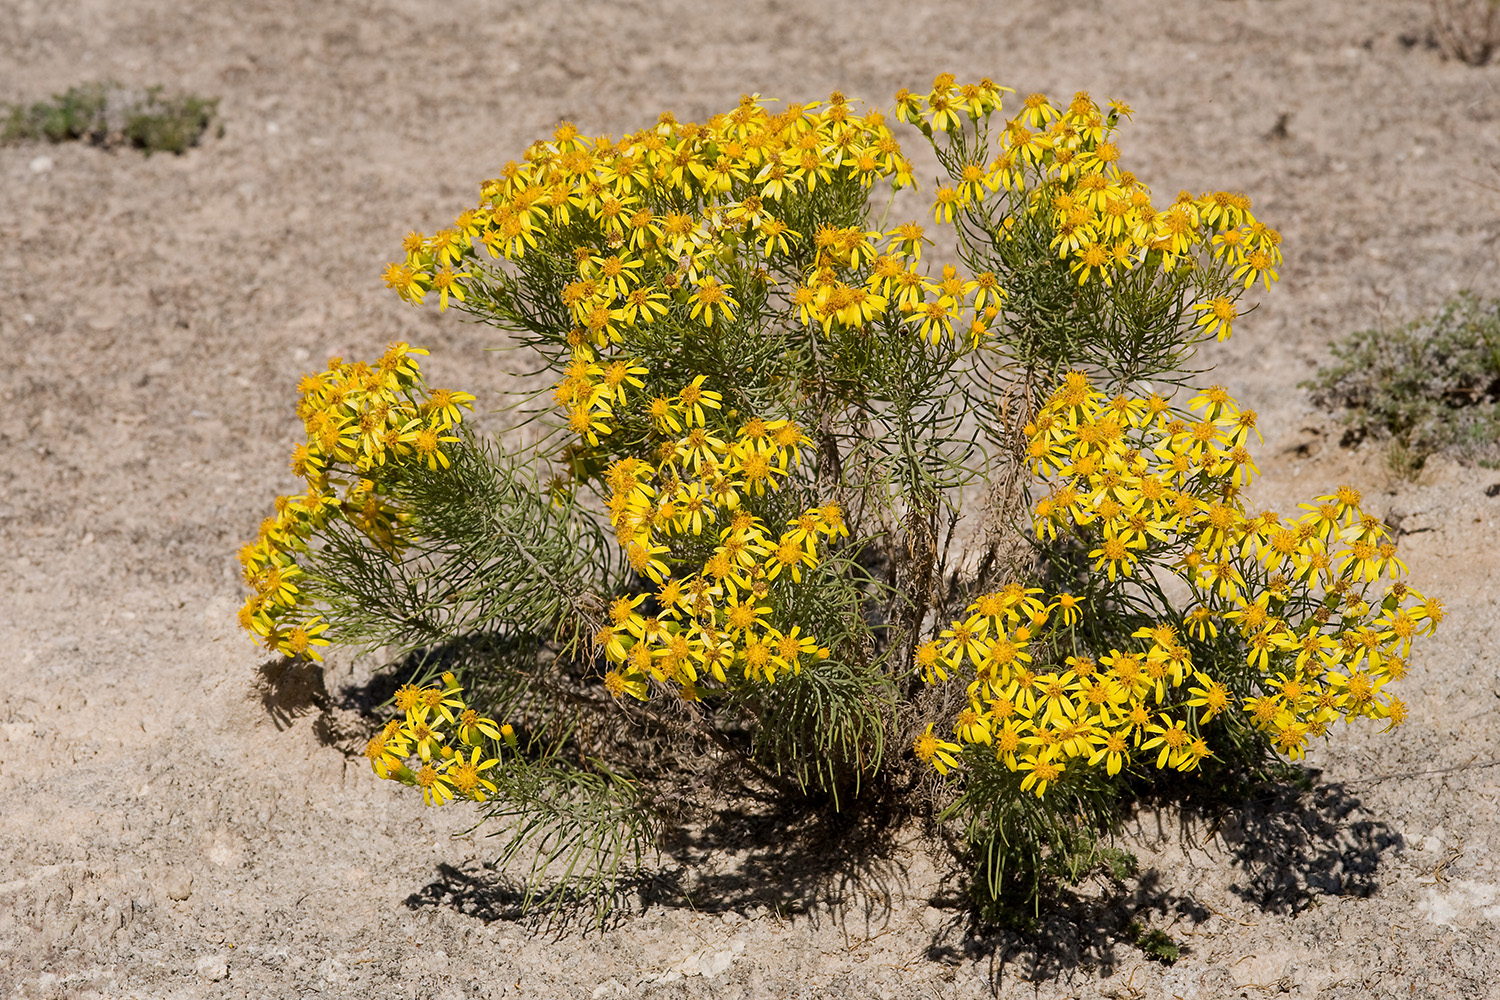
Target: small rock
(178,885)
(41,164)
(335,973)
(213,967)
(711,965)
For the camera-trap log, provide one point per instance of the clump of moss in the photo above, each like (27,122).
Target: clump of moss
(107,114)
(1429,387)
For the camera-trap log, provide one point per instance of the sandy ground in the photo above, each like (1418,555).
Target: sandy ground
(175,823)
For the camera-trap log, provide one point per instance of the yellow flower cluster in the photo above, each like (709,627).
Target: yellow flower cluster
(1064,163)
(716,615)
(857,279)
(734,170)
(1145,487)
(448,743)
(1041,718)
(678,223)
(365,423)
(646,223)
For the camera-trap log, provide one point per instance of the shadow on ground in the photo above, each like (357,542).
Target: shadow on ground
(1070,931)
(839,866)
(1291,843)
(1294,845)
(290,689)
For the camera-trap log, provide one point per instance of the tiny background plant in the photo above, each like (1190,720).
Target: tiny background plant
(1157,945)
(1467,30)
(108,114)
(1429,387)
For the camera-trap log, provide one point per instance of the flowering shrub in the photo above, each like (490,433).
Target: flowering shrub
(739,550)
(369,426)
(1151,493)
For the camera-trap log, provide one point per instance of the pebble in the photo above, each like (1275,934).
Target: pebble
(711,965)
(178,885)
(41,164)
(213,967)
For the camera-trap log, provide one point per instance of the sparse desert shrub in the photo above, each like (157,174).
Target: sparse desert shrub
(1430,386)
(1468,30)
(775,536)
(107,114)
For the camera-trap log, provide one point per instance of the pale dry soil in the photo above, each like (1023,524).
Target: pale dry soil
(175,823)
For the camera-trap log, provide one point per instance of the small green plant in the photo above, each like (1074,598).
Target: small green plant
(78,113)
(1430,386)
(748,555)
(106,114)
(1156,944)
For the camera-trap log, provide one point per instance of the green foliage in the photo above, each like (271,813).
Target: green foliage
(107,114)
(1025,848)
(1431,386)
(576,829)
(169,125)
(491,551)
(1134,328)
(77,113)
(1156,944)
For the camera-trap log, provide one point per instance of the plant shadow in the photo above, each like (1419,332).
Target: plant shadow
(780,859)
(289,689)
(1296,842)
(799,857)
(753,850)
(479,891)
(734,844)
(1292,843)
(1069,932)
